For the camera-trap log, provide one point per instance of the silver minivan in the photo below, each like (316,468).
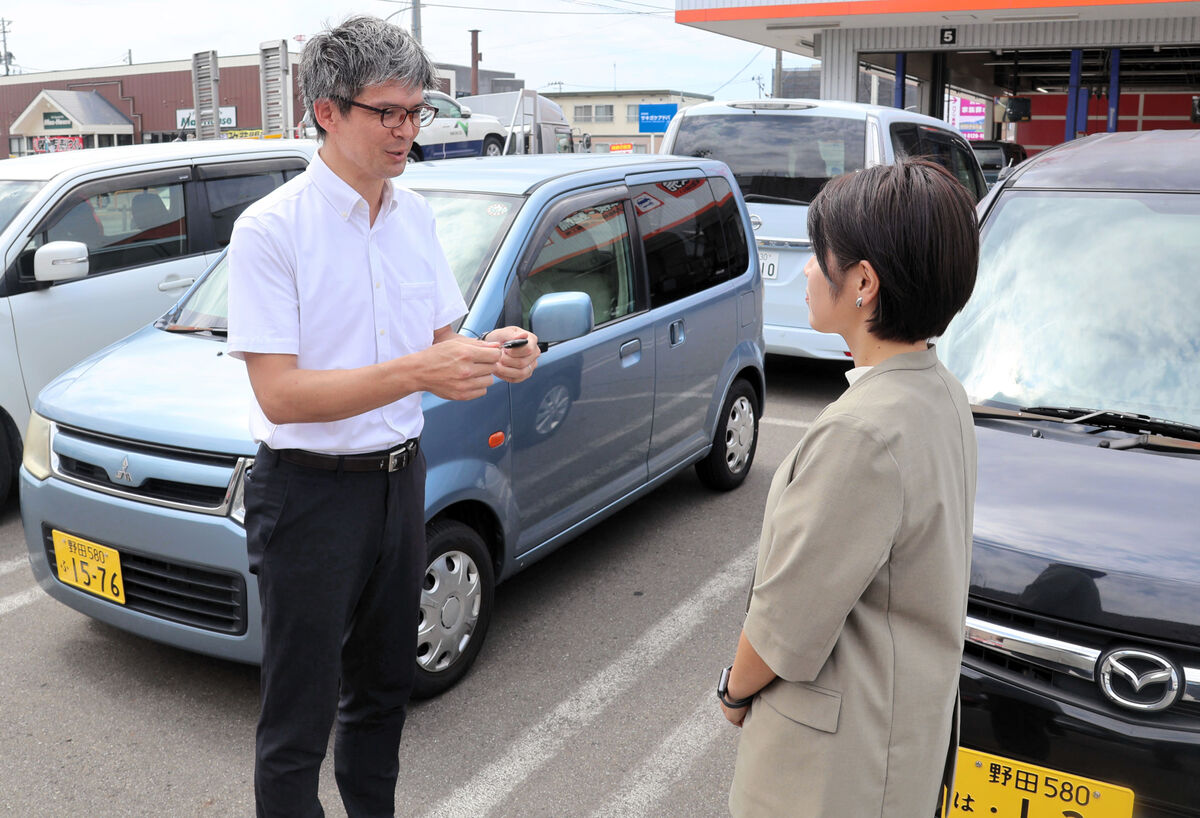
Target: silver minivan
(782,151)
(97,242)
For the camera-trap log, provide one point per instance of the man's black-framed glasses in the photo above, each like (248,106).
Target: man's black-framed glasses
(395,116)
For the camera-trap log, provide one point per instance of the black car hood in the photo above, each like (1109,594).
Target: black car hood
(1091,535)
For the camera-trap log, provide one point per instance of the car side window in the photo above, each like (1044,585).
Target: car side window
(588,251)
(683,238)
(966,170)
(906,142)
(229,196)
(123,222)
(736,248)
(910,140)
(445,107)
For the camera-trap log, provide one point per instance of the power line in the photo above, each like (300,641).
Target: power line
(739,73)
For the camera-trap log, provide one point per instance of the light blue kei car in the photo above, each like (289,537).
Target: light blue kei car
(638,272)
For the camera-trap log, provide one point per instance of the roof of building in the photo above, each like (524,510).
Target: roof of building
(652,92)
(1145,160)
(87,107)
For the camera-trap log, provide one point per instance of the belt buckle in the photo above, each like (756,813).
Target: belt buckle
(399,458)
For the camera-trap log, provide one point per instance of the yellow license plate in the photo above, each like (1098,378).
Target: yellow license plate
(998,787)
(89,566)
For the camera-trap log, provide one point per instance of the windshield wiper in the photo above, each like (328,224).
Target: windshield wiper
(1121,421)
(762,197)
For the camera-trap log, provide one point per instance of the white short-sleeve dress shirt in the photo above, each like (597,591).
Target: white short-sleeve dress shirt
(310,276)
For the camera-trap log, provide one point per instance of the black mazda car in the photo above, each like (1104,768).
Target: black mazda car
(1080,350)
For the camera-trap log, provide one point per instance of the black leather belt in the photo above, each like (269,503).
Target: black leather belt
(391,460)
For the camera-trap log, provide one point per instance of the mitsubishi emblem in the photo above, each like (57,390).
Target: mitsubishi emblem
(123,473)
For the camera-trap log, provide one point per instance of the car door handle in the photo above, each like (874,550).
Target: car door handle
(631,352)
(676,333)
(175,284)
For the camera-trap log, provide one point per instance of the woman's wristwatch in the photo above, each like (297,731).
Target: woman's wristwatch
(723,692)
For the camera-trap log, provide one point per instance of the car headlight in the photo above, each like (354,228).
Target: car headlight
(36,459)
(237,503)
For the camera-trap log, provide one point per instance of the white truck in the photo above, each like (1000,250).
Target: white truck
(533,123)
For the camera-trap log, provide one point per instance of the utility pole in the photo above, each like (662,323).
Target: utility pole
(777,90)
(129,56)
(4,44)
(416,24)
(475,58)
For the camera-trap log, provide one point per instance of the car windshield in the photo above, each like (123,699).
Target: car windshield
(776,157)
(1085,299)
(14,195)
(470,227)
(990,158)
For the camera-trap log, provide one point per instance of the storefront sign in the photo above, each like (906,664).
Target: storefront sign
(655,118)
(55,121)
(621,147)
(968,116)
(56,144)
(185,118)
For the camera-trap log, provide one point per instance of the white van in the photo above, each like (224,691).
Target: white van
(782,151)
(98,242)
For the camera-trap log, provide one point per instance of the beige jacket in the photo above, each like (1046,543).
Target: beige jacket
(859,600)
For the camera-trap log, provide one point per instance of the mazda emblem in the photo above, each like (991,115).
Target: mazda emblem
(1139,680)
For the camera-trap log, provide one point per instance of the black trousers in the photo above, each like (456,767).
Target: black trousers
(340,558)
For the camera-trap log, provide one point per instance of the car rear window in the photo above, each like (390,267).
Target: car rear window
(776,157)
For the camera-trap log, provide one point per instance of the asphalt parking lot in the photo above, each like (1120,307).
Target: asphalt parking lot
(594,694)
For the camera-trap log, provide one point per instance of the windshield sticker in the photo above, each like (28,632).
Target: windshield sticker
(680,187)
(834,154)
(644,202)
(497,209)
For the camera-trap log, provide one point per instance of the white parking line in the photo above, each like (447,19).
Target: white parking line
(10,603)
(669,762)
(8,566)
(488,789)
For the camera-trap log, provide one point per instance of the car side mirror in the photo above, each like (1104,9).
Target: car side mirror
(559,317)
(60,261)
(466,112)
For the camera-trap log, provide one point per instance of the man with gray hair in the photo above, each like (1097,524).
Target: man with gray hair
(341,303)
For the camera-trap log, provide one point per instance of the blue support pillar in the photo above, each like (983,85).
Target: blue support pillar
(1073,95)
(1114,88)
(901,85)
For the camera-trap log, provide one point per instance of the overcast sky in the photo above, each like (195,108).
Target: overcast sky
(584,44)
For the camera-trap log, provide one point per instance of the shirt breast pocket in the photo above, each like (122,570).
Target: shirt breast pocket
(415,316)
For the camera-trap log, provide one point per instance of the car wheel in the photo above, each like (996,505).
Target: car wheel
(492,146)
(727,465)
(456,606)
(414,154)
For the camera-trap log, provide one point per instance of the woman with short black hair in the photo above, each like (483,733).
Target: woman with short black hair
(846,672)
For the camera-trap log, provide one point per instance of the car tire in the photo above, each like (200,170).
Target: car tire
(492,146)
(415,155)
(456,606)
(735,441)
